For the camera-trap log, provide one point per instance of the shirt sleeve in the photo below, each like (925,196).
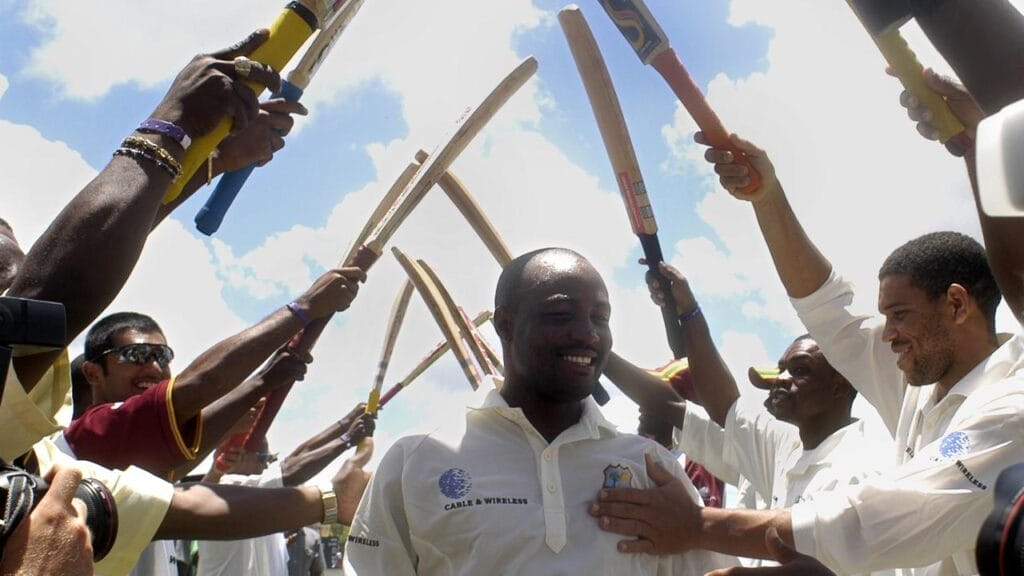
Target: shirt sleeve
(757,441)
(27,418)
(140,431)
(925,510)
(141,499)
(379,541)
(853,345)
(703,441)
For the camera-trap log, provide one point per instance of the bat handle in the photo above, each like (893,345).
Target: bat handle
(210,216)
(667,64)
(387,396)
(600,394)
(275,399)
(673,330)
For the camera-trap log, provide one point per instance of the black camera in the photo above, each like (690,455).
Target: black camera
(28,326)
(1000,547)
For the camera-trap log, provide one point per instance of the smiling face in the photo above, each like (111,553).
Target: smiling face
(808,386)
(916,330)
(114,380)
(556,335)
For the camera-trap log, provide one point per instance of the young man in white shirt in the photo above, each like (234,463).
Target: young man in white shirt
(509,494)
(938,375)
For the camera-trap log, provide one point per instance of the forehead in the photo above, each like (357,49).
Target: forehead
(560,278)
(130,336)
(898,290)
(802,348)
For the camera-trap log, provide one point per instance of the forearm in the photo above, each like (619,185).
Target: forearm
(223,367)
(801,267)
(223,512)
(647,390)
(741,532)
(1003,246)
(303,464)
(711,377)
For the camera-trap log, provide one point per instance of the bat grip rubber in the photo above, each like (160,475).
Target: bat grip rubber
(387,396)
(211,215)
(600,394)
(275,399)
(673,329)
(667,64)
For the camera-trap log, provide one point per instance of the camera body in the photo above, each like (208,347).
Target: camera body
(999,550)
(26,327)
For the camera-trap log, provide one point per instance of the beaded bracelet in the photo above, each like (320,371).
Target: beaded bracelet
(143,144)
(687,316)
(154,126)
(146,155)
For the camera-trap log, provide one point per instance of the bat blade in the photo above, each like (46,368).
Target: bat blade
(466,329)
(428,291)
(615,134)
(467,127)
(489,351)
(471,211)
(391,336)
(317,52)
(642,31)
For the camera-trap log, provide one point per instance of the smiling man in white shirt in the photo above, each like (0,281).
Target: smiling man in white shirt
(510,493)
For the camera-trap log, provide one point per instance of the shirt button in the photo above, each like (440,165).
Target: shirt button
(552,488)
(548,456)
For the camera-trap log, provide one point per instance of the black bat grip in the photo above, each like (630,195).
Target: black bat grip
(673,329)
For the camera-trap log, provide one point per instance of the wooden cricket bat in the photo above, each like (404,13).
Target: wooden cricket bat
(465,327)
(435,303)
(471,211)
(615,134)
(210,216)
(391,336)
(492,355)
(293,26)
(651,44)
(440,349)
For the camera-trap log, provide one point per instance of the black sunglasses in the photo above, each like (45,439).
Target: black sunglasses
(141,354)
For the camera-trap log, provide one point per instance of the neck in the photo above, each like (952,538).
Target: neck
(971,352)
(812,434)
(549,418)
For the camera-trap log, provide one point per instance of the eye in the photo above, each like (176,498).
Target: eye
(601,319)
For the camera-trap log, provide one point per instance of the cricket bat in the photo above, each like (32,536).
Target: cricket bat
(615,134)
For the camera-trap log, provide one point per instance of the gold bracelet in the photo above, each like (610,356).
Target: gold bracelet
(146,155)
(330,504)
(142,144)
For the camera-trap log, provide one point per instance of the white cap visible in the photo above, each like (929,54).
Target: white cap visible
(1000,161)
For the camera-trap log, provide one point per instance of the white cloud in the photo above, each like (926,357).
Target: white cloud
(3,85)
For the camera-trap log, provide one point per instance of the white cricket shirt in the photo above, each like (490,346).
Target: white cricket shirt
(498,499)
(924,513)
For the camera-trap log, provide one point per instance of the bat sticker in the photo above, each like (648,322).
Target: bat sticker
(636,29)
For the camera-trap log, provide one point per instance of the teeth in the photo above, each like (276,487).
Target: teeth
(581,360)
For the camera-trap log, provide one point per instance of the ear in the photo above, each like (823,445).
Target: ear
(960,303)
(93,372)
(503,323)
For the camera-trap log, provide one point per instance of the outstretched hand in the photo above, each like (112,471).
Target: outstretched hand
(792,563)
(665,519)
(960,103)
(208,89)
(734,176)
(681,293)
(261,139)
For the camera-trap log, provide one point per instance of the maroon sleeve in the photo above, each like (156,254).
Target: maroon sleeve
(137,432)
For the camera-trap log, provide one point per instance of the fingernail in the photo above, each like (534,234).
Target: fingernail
(594,508)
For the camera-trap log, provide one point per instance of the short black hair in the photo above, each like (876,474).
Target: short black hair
(935,261)
(510,283)
(6,224)
(101,336)
(81,392)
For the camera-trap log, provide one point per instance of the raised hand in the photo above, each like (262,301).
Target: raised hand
(734,176)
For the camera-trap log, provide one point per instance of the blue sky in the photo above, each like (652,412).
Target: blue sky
(800,78)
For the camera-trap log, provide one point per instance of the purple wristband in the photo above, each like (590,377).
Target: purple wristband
(346,439)
(154,126)
(299,312)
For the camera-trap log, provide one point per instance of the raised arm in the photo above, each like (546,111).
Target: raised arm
(315,454)
(801,267)
(223,367)
(88,251)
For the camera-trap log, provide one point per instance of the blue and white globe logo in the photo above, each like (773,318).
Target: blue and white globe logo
(455,483)
(954,445)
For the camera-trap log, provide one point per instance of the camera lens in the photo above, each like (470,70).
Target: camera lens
(999,550)
(101,517)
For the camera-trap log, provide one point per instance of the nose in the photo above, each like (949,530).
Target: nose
(888,332)
(586,332)
(784,381)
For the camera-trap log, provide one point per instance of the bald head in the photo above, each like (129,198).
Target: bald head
(533,269)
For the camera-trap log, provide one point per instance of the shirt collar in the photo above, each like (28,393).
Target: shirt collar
(591,424)
(993,368)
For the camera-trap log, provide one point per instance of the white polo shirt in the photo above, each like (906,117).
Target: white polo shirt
(498,499)
(926,511)
(260,556)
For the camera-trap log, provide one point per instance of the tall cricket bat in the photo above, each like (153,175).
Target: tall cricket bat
(651,44)
(293,26)
(466,328)
(617,143)
(435,303)
(391,336)
(431,357)
(492,355)
(210,216)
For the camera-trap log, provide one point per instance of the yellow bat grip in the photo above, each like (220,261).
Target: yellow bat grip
(287,34)
(373,402)
(911,74)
